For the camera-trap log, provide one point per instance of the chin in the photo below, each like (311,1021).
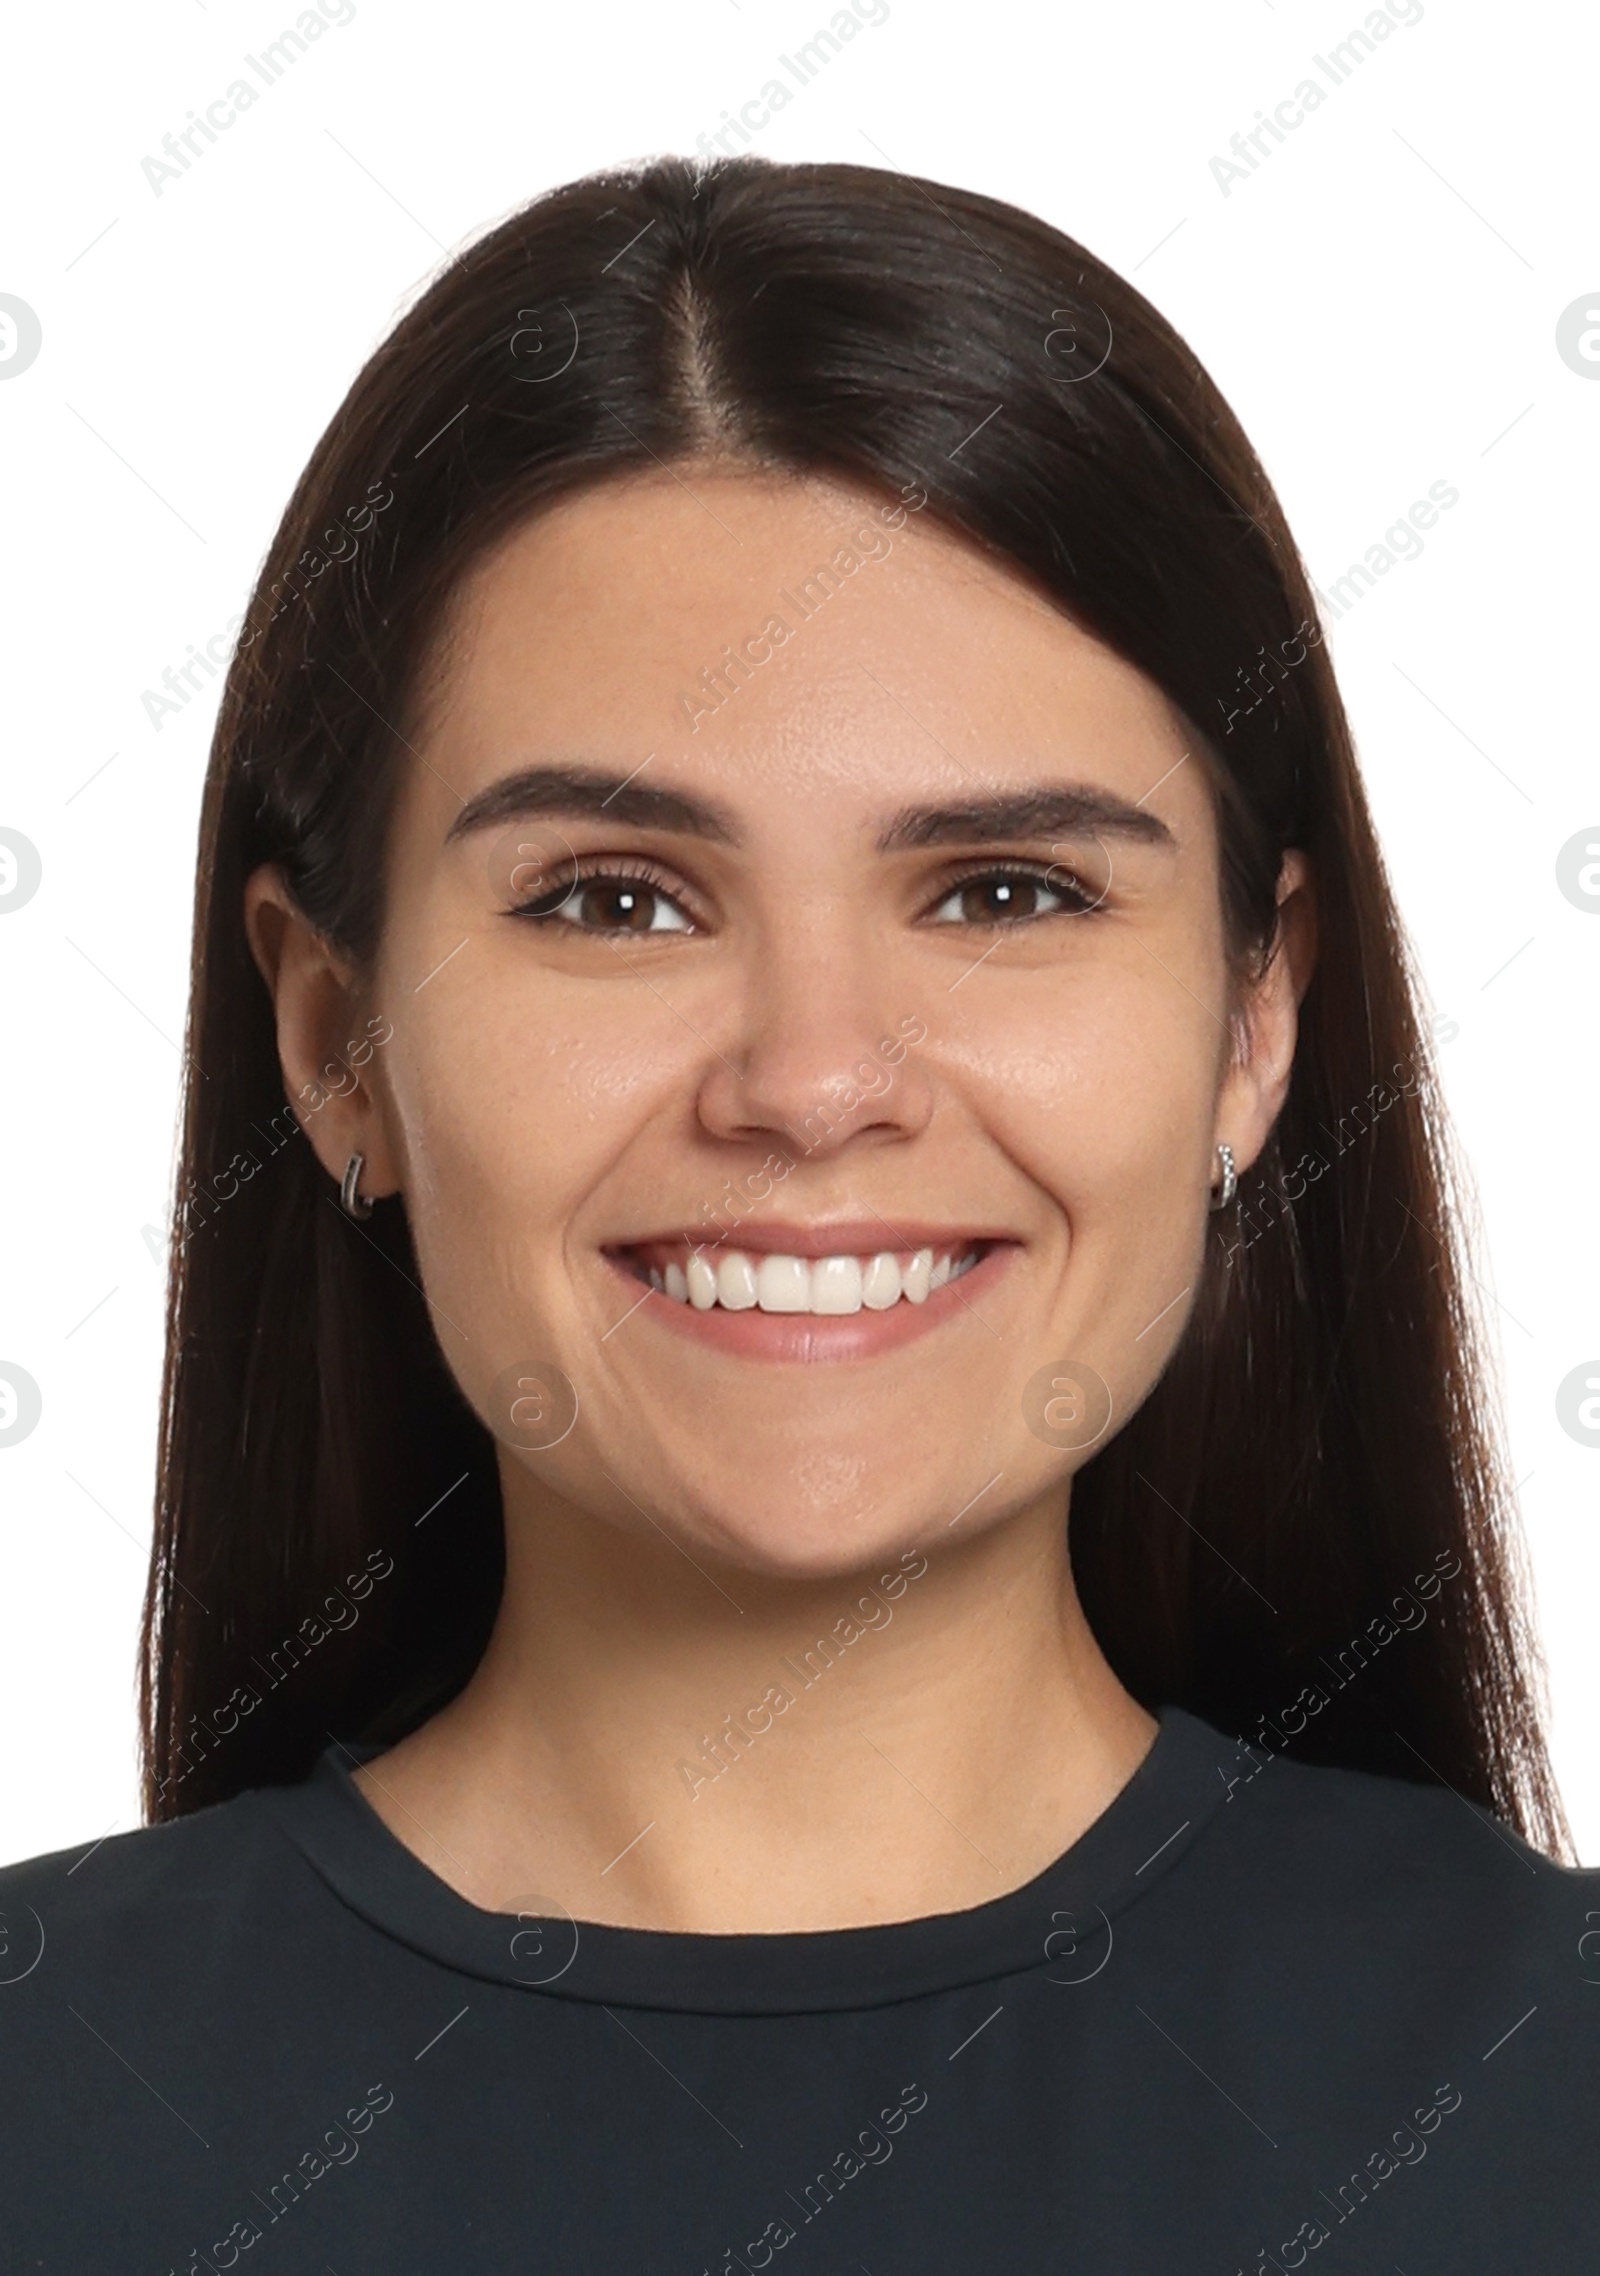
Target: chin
(785,1527)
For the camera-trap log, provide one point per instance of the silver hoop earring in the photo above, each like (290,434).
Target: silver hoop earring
(356,1204)
(1222,1194)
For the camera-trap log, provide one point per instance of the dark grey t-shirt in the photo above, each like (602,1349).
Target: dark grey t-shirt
(1259,2016)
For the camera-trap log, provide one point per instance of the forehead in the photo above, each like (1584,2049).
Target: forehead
(772,636)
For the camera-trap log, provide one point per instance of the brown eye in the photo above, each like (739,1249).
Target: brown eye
(613,907)
(609,902)
(1005,896)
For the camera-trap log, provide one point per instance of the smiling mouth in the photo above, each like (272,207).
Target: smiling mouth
(829,1286)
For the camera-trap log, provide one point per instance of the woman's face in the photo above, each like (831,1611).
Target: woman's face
(895,930)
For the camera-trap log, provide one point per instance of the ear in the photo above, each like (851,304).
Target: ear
(325,1035)
(1266,1023)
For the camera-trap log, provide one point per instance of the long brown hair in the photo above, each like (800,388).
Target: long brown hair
(1305,1533)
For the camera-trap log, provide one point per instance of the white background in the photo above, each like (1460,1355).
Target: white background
(1378,300)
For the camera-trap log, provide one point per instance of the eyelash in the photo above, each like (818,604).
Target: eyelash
(545,908)
(1054,876)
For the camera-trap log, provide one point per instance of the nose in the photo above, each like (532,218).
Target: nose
(823,1054)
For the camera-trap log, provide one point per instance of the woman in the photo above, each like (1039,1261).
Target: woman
(783,824)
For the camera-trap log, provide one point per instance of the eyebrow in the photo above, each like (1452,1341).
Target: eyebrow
(1033,810)
(589,790)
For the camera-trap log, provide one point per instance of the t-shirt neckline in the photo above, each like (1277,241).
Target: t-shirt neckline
(1060,1920)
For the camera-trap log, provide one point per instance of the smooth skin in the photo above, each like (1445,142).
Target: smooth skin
(559,1085)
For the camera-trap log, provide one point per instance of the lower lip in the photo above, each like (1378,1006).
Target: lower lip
(821,1336)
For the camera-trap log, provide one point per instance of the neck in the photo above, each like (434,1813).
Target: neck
(657,1743)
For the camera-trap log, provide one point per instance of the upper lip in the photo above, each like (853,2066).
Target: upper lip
(847,1237)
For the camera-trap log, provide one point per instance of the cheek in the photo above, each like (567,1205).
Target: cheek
(1100,1088)
(510,1105)
(1099,1082)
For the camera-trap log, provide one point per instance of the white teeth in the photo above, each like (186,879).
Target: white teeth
(736,1283)
(783,1284)
(829,1286)
(880,1283)
(836,1285)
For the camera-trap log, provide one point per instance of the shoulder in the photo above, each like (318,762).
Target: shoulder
(147,1858)
(1341,1813)
(1401,1869)
(160,1884)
